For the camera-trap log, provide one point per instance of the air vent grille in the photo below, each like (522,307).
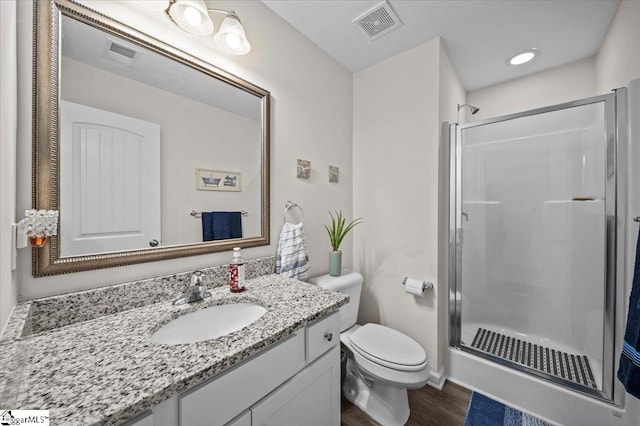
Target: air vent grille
(121,50)
(116,52)
(378,21)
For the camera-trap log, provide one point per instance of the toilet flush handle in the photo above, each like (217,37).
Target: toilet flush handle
(328,336)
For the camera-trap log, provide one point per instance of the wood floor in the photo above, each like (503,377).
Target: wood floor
(429,407)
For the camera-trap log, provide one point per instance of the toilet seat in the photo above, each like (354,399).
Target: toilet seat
(372,367)
(390,376)
(389,348)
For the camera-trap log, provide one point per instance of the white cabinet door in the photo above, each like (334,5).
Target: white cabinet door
(144,420)
(242,420)
(109,181)
(310,398)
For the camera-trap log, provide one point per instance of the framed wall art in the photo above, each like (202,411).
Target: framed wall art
(218,180)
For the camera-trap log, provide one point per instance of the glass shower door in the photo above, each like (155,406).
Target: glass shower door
(534,201)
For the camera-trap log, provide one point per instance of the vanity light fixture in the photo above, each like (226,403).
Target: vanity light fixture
(522,57)
(193,17)
(231,37)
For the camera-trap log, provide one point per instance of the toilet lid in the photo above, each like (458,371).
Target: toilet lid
(388,347)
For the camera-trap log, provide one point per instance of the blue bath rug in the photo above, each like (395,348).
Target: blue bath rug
(484,411)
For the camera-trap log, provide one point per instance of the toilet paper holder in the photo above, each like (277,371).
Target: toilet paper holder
(425,284)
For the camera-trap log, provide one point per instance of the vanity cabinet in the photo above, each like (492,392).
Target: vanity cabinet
(311,398)
(144,420)
(243,419)
(294,382)
(224,397)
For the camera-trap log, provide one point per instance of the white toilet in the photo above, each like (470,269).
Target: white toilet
(382,363)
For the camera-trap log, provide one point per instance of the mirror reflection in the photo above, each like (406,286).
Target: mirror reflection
(152,152)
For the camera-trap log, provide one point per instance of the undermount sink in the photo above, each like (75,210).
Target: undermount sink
(208,323)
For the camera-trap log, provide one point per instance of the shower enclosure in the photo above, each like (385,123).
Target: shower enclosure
(533,240)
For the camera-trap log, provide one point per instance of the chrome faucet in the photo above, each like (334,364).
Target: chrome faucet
(195,292)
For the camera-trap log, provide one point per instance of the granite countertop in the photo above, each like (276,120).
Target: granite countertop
(106,370)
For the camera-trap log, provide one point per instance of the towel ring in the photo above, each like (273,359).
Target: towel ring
(289,205)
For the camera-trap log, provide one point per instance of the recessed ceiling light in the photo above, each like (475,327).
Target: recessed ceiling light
(522,57)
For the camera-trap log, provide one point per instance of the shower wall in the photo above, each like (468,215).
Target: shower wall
(533,251)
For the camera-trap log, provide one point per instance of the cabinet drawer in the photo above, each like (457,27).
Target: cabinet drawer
(322,336)
(227,395)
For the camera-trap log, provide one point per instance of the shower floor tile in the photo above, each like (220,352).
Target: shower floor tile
(571,367)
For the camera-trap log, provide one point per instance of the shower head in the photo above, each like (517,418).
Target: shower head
(472,108)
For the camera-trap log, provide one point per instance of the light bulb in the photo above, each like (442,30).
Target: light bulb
(523,57)
(231,37)
(233,40)
(192,15)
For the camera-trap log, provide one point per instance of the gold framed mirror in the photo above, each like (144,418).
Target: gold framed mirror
(132,183)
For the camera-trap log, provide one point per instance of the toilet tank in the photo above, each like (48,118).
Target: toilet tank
(349,283)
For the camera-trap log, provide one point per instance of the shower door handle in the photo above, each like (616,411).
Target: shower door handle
(464,214)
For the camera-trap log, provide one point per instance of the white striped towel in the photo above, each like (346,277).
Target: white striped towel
(291,258)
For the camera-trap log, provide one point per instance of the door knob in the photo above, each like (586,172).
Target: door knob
(153,243)
(328,336)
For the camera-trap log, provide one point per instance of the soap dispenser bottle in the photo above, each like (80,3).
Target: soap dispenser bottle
(236,272)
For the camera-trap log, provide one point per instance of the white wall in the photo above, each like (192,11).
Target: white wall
(395,151)
(8,128)
(192,135)
(565,83)
(618,60)
(451,91)
(311,119)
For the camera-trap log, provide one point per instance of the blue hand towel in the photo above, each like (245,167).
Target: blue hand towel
(221,230)
(235,224)
(207,226)
(629,370)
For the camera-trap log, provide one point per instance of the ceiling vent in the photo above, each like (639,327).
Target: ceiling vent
(121,54)
(378,21)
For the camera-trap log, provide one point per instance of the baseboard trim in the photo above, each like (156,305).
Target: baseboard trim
(437,379)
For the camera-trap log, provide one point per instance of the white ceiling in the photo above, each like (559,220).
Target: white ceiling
(478,35)
(90,45)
